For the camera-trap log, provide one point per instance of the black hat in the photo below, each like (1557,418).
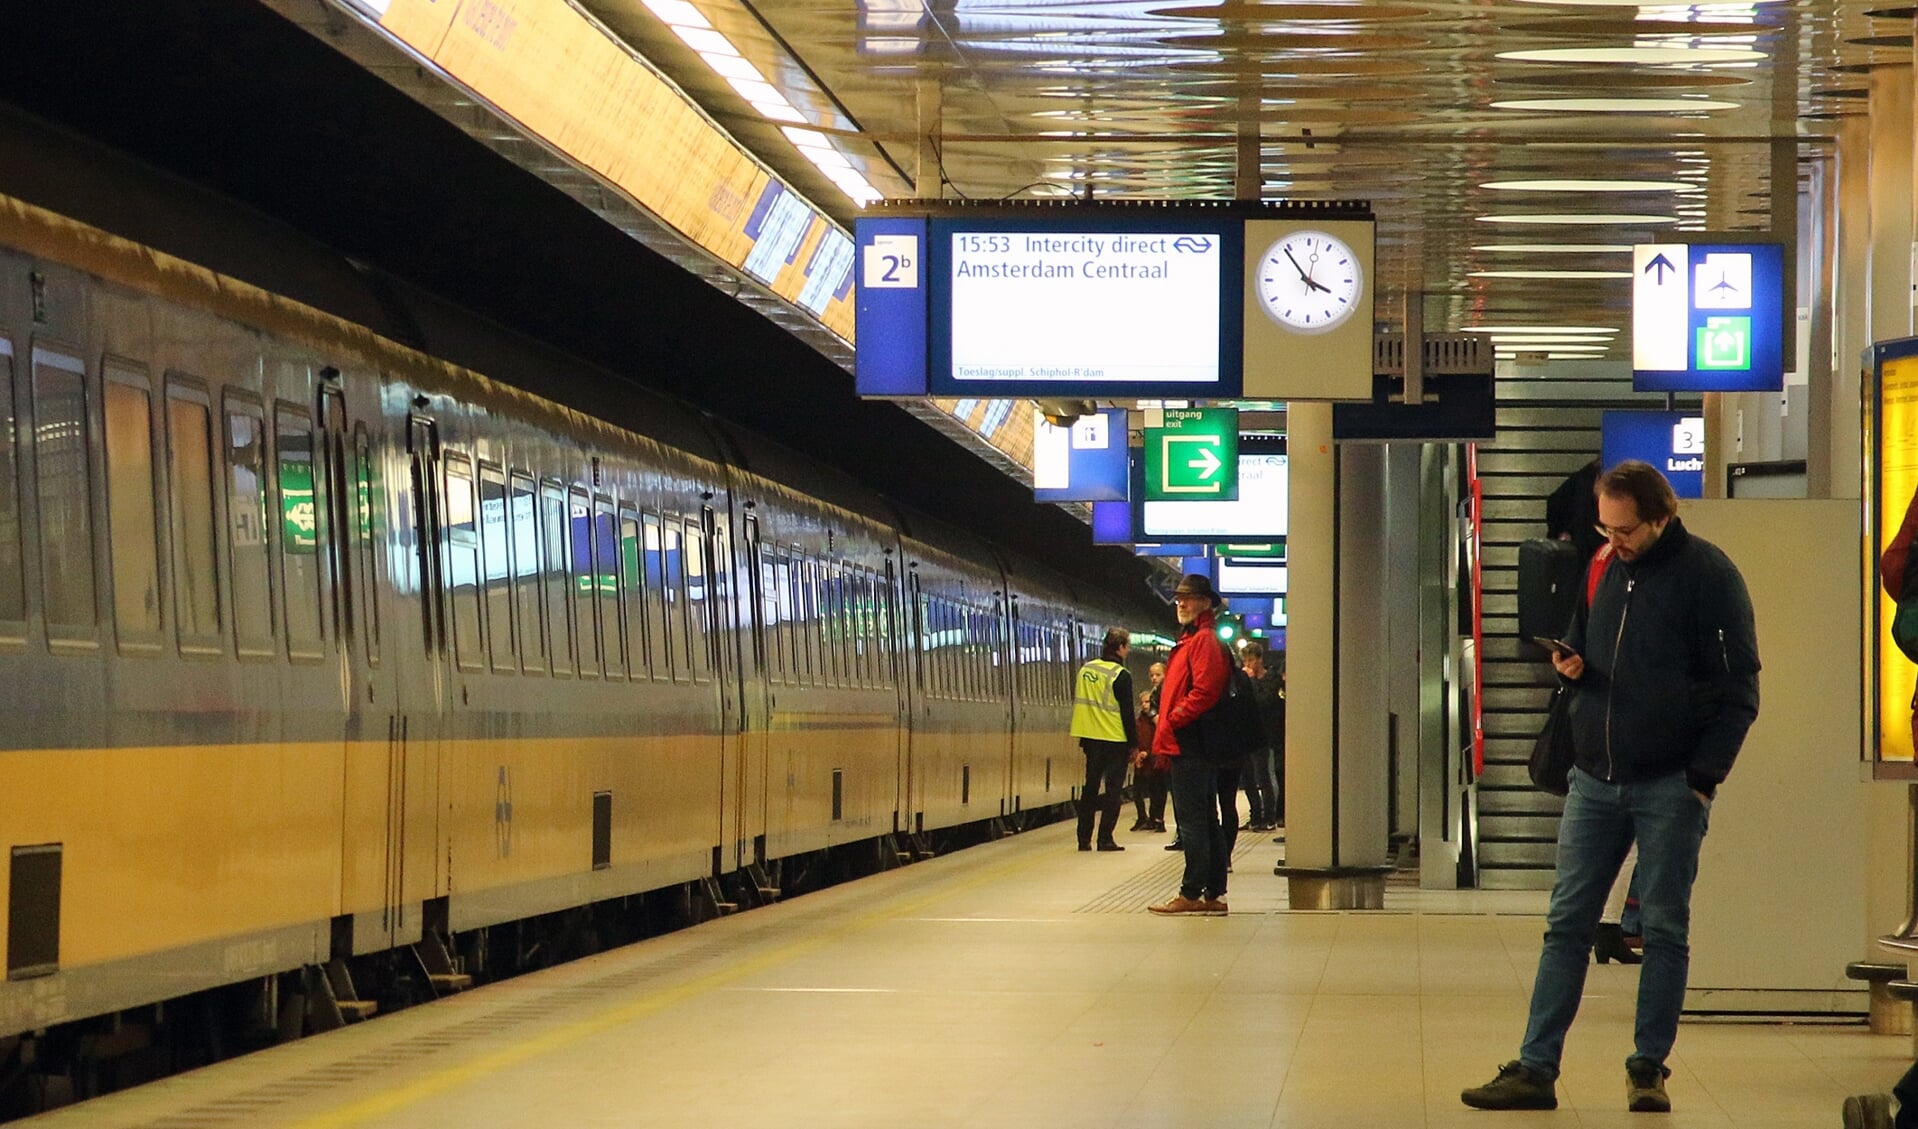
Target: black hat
(1197,584)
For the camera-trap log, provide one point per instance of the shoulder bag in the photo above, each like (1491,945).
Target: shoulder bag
(1551,764)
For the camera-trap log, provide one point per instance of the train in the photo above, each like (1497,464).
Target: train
(326,653)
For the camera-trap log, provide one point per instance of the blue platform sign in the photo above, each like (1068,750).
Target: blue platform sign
(1708,317)
(1082,462)
(889,317)
(1674,442)
(1112,523)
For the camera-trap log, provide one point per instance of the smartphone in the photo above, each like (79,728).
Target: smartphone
(1551,644)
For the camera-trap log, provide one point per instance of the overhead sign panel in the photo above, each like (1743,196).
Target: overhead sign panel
(1674,442)
(1083,462)
(1259,514)
(1708,317)
(1117,301)
(1194,456)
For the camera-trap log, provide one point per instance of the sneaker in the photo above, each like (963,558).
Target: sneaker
(1179,904)
(1868,1111)
(1645,1086)
(1517,1086)
(1214,907)
(1109,845)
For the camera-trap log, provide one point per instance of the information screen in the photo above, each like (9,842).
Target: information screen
(1030,308)
(1255,577)
(1259,514)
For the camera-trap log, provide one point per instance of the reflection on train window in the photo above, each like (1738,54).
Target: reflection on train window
(132,526)
(524,532)
(497,565)
(299,530)
(698,633)
(13,589)
(196,573)
(658,656)
(365,489)
(784,663)
(559,619)
(606,583)
(462,563)
(253,633)
(64,490)
(632,591)
(769,612)
(817,671)
(579,527)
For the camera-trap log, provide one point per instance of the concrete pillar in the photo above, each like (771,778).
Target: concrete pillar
(1335,778)
(1403,507)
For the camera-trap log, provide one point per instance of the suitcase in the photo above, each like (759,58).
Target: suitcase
(1550,579)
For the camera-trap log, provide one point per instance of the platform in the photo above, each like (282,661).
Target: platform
(1022,983)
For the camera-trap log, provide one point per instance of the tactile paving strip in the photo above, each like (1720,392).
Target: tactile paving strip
(1161,880)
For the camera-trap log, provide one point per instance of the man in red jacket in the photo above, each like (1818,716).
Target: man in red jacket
(1195,679)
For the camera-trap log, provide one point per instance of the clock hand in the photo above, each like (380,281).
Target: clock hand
(1317,286)
(1306,278)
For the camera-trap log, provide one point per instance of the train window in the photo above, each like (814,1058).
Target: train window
(196,573)
(13,590)
(299,531)
(253,632)
(817,643)
(463,563)
(579,525)
(882,615)
(633,592)
(606,583)
(64,492)
(768,566)
(132,523)
(553,534)
(498,568)
(858,603)
(832,646)
(523,533)
(675,595)
(658,654)
(700,636)
(785,665)
(365,490)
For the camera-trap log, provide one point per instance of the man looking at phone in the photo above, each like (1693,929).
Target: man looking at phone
(1664,669)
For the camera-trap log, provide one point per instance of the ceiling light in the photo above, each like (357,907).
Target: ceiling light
(779,111)
(1559,248)
(1615,105)
(1538,329)
(1582,185)
(732,66)
(1636,56)
(678,13)
(705,40)
(1549,274)
(1596,218)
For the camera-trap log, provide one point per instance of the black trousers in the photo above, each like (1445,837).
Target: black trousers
(1105,778)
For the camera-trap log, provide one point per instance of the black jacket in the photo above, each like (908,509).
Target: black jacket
(1671,666)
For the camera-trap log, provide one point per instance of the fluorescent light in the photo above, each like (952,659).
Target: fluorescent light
(780,111)
(732,66)
(805,138)
(1615,105)
(1549,274)
(678,13)
(1559,248)
(705,40)
(1595,218)
(1635,56)
(1584,186)
(1538,329)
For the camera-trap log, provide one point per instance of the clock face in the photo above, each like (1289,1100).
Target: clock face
(1309,282)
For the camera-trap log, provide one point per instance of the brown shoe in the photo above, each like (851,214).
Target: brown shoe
(1179,904)
(1214,907)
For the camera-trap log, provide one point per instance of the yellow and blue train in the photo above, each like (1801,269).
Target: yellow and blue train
(317,646)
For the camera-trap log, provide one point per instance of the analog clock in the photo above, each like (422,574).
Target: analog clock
(1309,281)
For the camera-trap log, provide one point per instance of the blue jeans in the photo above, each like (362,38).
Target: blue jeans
(1597,828)
(1195,803)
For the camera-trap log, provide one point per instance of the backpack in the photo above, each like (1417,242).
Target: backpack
(1233,729)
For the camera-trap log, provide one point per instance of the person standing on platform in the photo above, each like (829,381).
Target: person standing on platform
(1664,672)
(1195,681)
(1102,720)
(1148,777)
(1261,779)
(1571,513)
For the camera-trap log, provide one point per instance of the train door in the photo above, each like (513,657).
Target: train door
(893,643)
(709,593)
(419,867)
(755,697)
(918,705)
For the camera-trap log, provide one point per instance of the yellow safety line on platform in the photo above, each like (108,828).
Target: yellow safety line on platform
(391,1100)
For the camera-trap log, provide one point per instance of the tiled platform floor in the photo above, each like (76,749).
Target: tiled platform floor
(1022,984)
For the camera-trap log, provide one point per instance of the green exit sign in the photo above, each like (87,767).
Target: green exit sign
(1194,457)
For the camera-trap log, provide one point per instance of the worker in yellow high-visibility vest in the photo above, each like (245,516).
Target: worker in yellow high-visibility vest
(1103,721)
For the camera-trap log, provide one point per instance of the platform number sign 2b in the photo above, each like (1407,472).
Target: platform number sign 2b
(892,262)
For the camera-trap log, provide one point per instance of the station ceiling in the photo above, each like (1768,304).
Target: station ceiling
(1477,130)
